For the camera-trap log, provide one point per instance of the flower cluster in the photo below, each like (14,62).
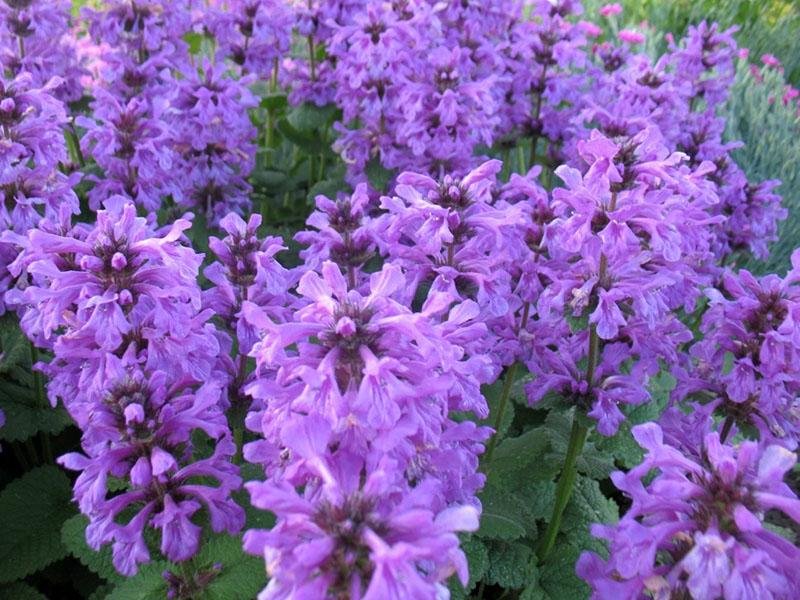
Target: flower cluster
(36,38)
(624,240)
(31,148)
(136,365)
(212,132)
(353,381)
(353,394)
(746,363)
(697,528)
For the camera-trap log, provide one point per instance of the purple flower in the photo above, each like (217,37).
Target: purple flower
(358,531)
(141,428)
(746,363)
(212,131)
(697,527)
(117,287)
(36,38)
(132,147)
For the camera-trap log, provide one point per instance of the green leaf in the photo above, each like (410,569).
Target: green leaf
(73,535)
(502,515)
(326,187)
(557,574)
(591,462)
(510,565)
(33,508)
(274,101)
(195,41)
(147,584)
(309,118)
(311,144)
(20,590)
(25,417)
(102,592)
(242,576)
(477,559)
(521,457)
(587,506)
(378,175)
(14,346)
(493,393)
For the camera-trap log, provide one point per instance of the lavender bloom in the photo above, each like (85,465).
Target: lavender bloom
(253,34)
(246,271)
(697,528)
(36,38)
(31,146)
(346,234)
(751,323)
(31,121)
(359,531)
(448,234)
(132,146)
(143,39)
(140,429)
(621,252)
(359,383)
(117,287)
(447,111)
(212,131)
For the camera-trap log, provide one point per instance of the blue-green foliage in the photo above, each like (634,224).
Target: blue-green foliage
(770,130)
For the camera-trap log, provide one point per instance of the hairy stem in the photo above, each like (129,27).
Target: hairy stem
(564,487)
(507,385)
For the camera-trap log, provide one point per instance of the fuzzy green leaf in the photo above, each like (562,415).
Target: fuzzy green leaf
(241,576)
(73,535)
(510,565)
(20,590)
(34,508)
(14,346)
(25,417)
(557,575)
(502,515)
(147,584)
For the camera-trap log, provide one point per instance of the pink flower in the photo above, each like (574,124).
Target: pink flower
(632,37)
(590,29)
(744,53)
(609,10)
(791,94)
(770,60)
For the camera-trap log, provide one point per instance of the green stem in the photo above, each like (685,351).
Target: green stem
(238,437)
(521,158)
(76,145)
(564,487)
(726,428)
(38,381)
(577,437)
(507,385)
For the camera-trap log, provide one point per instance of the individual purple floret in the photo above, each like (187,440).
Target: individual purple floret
(697,529)
(141,429)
